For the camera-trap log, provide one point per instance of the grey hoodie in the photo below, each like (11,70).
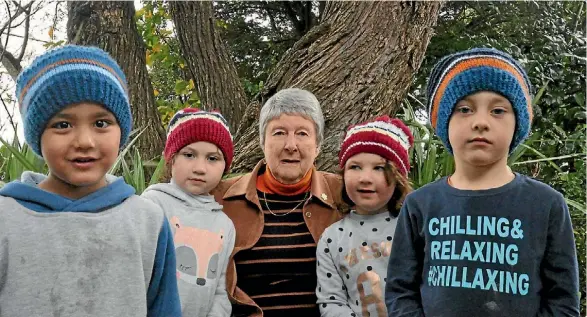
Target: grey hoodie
(109,253)
(204,239)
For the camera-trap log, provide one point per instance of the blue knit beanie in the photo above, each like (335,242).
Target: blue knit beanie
(480,69)
(69,75)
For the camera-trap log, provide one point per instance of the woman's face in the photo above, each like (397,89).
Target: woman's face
(290,147)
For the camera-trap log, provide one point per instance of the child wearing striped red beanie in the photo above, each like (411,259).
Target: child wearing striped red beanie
(193,125)
(375,162)
(198,152)
(382,139)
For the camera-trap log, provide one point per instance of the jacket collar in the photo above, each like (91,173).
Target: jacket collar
(247,186)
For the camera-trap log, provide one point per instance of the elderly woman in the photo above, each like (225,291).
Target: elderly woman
(279,211)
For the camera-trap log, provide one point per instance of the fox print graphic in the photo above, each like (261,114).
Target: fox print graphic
(197,253)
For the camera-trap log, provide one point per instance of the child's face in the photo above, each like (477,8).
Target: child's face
(365,183)
(198,167)
(80,144)
(481,129)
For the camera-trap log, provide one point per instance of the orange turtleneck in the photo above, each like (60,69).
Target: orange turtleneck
(268,184)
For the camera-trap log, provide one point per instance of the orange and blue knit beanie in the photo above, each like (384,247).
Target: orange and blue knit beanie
(67,75)
(480,69)
(191,125)
(384,136)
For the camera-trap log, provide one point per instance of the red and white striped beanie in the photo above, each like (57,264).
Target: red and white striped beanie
(386,137)
(193,125)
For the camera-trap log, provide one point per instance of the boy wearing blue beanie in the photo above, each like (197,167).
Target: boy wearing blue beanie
(484,241)
(78,242)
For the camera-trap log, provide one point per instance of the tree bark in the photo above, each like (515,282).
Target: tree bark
(208,59)
(359,62)
(110,25)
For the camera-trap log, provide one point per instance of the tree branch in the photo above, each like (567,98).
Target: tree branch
(577,17)
(284,40)
(321,6)
(10,62)
(308,17)
(27,25)
(271,17)
(20,11)
(10,118)
(482,17)
(30,38)
(2,48)
(55,19)
(291,14)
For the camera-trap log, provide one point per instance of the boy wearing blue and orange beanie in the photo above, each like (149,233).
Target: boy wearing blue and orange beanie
(79,242)
(484,241)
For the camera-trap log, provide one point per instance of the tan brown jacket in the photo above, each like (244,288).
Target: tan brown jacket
(240,202)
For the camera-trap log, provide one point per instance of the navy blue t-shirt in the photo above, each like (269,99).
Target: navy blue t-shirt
(506,251)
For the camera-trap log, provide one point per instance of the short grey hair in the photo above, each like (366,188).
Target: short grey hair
(292,101)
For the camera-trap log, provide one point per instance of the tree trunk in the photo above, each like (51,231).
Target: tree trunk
(110,25)
(359,62)
(208,59)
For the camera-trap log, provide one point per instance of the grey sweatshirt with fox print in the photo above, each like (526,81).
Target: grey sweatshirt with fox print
(204,239)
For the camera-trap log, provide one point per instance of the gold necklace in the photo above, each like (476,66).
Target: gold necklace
(287,213)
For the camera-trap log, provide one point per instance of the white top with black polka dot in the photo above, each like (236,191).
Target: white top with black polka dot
(352,257)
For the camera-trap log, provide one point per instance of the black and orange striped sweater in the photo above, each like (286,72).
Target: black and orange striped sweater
(279,272)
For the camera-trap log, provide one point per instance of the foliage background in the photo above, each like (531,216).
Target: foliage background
(547,37)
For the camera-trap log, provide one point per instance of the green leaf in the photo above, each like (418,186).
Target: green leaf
(430,165)
(448,164)
(580,99)
(120,157)
(577,205)
(539,94)
(547,159)
(126,174)
(19,156)
(520,150)
(181,87)
(550,159)
(158,173)
(139,174)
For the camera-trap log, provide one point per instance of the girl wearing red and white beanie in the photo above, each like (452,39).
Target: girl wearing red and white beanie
(355,250)
(198,151)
